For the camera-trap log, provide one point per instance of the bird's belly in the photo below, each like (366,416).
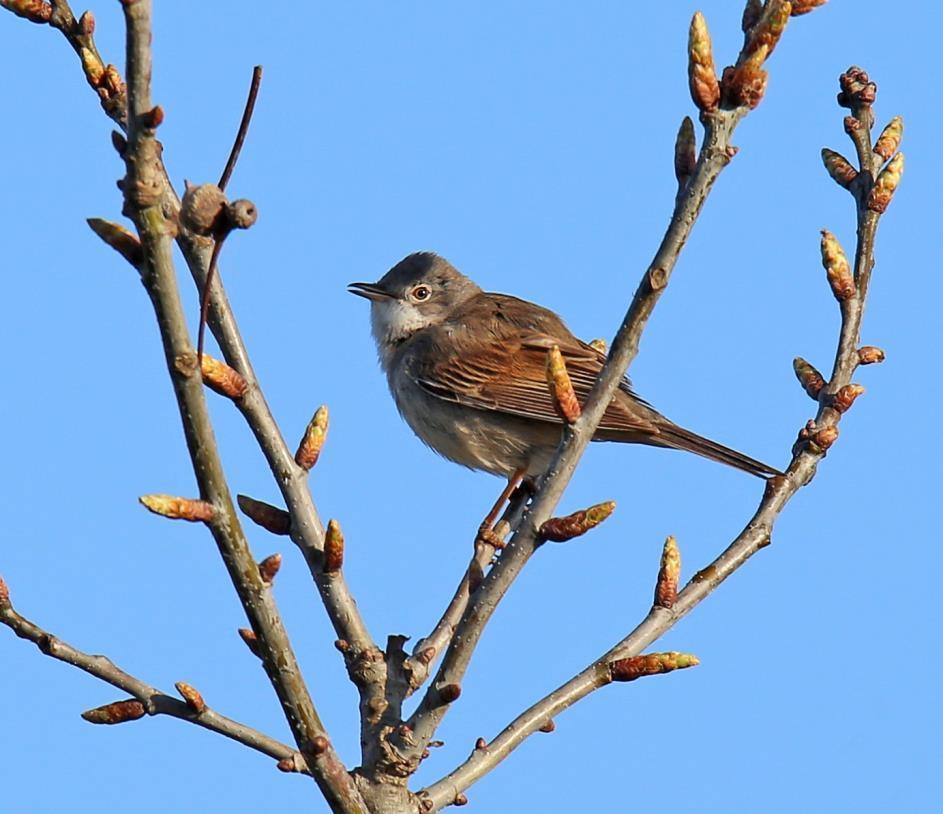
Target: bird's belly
(479,439)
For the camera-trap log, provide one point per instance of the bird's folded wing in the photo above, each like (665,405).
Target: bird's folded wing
(510,377)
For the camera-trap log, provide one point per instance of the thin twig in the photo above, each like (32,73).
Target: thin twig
(154,701)
(243,127)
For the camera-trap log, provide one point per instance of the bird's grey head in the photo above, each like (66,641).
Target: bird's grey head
(419,291)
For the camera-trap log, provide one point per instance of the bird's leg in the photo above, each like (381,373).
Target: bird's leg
(488,531)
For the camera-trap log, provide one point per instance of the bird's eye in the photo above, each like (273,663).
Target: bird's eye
(421,293)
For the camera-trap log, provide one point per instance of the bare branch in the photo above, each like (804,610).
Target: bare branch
(153,700)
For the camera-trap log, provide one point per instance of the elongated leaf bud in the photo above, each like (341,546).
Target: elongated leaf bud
(836,268)
(838,167)
(119,238)
(702,76)
(561,388)
(889,140)
(179,508)
(191,696)
(883,190)
(269,517)
(630,669)
(117,712)
(666,589)
(309,450)
(561,529)
(811,380)
(333,548)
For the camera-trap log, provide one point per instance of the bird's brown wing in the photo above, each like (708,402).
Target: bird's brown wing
(507,373)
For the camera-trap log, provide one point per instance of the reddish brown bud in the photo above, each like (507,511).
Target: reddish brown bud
(810,379)
(268,568)
(36,11)
(838,167)
(309,450)
(449,693)
(179,508)
(287,764)
(669,572)
(886,184)
(4,595)
(117,712)
(800,7)
(460,800)
(203,209)
(547,727)
(818,440)
(342,645)
(857,89)
(846,396)
(87,23)
(153,118)
(561,388)
(685,152)
(481,743)
(561,529)
(120,239)
(222,379)
(319,745)
(702,76)
(652,664)
(744,85)
(251,640)
(269,517)
(870,355)
(890,138)
(836,268)
(333,548)
(119,142)
(191,696)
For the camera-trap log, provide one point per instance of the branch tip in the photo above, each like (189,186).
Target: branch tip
(889,140)
(179,508)
(221,378)
(309,450)
(883,190)
(634,667)
(669,572)
(564,397)
(192,696)
(702,75)
(561,529)
(117,712)
(811,380)
(36,11)
(333,548)
(269,568)
(838,167)
(119,239)
(857,90)
(269,517)
(870,355)
(251,640)
(837,267)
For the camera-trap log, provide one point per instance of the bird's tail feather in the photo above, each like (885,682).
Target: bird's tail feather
(679,438)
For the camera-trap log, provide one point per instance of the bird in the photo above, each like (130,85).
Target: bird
(466,368)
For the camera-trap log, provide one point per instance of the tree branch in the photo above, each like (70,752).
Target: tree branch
(720,117)
(154,701)
(144,193)
(807,454)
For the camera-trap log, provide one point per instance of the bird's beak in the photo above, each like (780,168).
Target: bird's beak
(371,291)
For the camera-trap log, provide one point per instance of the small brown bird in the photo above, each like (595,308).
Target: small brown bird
(467,372)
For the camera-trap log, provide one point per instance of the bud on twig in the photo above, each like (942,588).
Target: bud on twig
(251,640)
(153,118)
(817,440)
(811,380)
(36,11)
(838,167)
(857,89)
(4,595)
(890,137)
(117,712)
(886,184)
(765,37)
(837,268)
(846,396)
(666,588)
(800,7)
(744,85)
(480,744)
(561,388)
(702,76)
(449,693)
(870,355)
(460,800)
(179,508)
(333,548)
(221,378)
(192,697)
(309,450)
(652,664)
(561,529)
(120,239)
(548,727)
(287,764)
(685,152)
(269,567)
(269,517)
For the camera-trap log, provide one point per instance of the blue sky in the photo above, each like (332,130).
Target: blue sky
(530,144)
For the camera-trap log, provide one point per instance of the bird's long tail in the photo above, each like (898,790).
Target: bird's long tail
(675,437)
